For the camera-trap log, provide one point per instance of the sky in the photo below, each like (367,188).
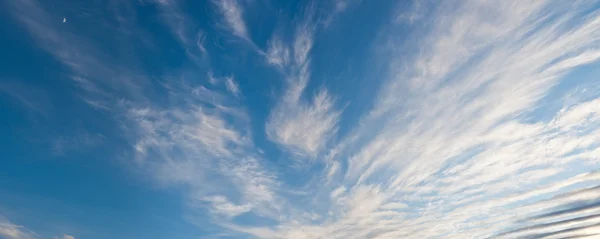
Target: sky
(326,119)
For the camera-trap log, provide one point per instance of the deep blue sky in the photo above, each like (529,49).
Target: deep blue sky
(299,119)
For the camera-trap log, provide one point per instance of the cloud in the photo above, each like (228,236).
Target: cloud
(278,53)
(78,141)
(338,7)
(205,145)
(170,128)
(453,146)
(416,12)
(569,214)
(33,98)
(187,142)
(180,132)
(233,15)
(65,237)
(9,230)
(232,86)
(303,128)
(222,205)
(184,29)
(102,76)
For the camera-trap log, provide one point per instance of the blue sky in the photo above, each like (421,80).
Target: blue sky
(299,119)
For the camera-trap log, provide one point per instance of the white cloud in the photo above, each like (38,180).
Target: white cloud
(222,205)
(414,14)
(233,14)
(200,39)
(580,115)
(303,128)
(337,192)
(196,129)
(65,236)
(338,7)
(232,86)
(98,72)
(205,145)
(184,30)
(256,186)
(192,136)
(447,150)
(453,146)
(302,45)
(9,230)
(278,53)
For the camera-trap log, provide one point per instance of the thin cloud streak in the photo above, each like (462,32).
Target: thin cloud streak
(303,128)
(9,230)
(232,13)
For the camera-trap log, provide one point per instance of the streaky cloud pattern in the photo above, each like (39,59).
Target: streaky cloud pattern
(300,119)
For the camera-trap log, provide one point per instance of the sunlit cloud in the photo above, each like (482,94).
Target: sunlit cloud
(472,132)
(9,230)
(232,13)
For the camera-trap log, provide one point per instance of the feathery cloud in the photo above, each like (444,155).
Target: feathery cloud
(303,128)
(232,86)
(425,161)
(453,146)
(183,28)
(65,237)
(9,230)
(233,15)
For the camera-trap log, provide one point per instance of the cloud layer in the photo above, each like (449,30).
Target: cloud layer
(480,128)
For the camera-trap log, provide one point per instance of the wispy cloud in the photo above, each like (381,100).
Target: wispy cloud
(232,86)
(337,8)
(416,12)
(278,53)
(454,145)
(76,142)
(450,148)
(96,71)
(9,230)
(195,126)
(203,136)
(301,127)
(222,205)
(232,12)
(65,237)
(202,143)
(33,98)
(185,31)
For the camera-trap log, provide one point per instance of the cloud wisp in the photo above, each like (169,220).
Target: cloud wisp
(232,13)
(65,237)
(232,86)
(9,230)
(303,127)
